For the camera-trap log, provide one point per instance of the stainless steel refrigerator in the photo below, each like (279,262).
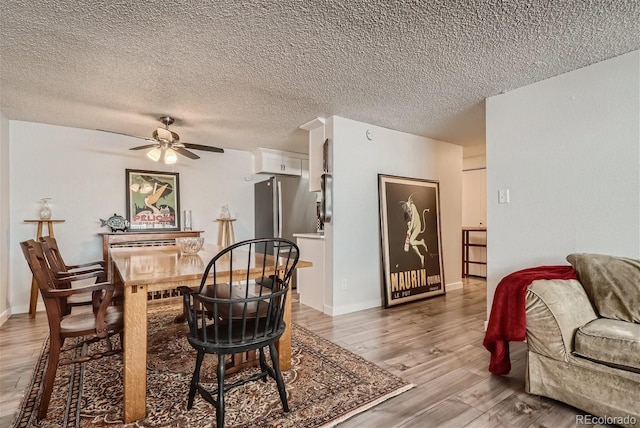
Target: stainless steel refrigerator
(284,206)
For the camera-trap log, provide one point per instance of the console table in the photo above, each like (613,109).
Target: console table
(226,236)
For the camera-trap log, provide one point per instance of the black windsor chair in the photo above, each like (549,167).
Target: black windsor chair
(231,313)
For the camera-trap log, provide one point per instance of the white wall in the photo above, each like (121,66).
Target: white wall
(83,171)
(568,149)
(353,236)
(4,218)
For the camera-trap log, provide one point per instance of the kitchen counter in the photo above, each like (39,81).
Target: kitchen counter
(311,287)
(312,235)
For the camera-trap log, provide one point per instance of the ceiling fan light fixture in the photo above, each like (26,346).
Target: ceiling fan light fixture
(164,135)
(170,156)
(154,154)
(166,145)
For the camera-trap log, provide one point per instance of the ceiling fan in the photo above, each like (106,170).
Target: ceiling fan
(165,144)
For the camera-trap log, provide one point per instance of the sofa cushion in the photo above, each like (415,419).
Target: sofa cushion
(611,342)
(612,283)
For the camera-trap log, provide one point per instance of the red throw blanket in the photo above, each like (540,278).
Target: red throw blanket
(507,321)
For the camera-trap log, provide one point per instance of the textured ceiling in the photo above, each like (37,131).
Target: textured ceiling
(246,74)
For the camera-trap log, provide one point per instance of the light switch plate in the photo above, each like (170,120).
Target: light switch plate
(503,196)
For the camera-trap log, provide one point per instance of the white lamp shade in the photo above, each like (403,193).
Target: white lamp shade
(154,154)
(170,156)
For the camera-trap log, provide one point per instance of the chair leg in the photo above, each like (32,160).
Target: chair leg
(50,376)
(121,335)
(195,379)
(279,381)
(263,365)
(220,401)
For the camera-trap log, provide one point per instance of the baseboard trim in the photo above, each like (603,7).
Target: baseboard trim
(4,316)
(454,286)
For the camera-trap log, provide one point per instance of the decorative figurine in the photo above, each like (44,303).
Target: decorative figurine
(115,222)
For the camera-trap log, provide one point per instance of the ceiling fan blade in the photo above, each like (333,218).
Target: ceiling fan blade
(146,146)
(126,135)
(186,153)
(201,147)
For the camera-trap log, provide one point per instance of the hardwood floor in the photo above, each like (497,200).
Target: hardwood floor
(436,344)
(21,341)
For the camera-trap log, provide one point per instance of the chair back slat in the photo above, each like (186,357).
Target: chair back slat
(52,253)
(34,254)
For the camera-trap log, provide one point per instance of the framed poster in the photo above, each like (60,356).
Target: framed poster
(153,201)
(410,238)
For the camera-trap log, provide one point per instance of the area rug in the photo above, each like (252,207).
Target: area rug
(326,385)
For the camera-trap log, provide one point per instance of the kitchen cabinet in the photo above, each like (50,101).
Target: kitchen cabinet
(316,153)
(268,161)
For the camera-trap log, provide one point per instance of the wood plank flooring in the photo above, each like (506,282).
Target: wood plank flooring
(21,340)
(436,344)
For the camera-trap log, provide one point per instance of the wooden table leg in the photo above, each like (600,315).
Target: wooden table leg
(284,343)
(33,299)
(135,353)
(232,235)
(50,229)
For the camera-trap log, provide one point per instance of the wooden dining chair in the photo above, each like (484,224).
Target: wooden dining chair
(68,274)
(88,326)
(230,314)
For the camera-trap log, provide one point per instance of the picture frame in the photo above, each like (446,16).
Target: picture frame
(153,200)
(410,239)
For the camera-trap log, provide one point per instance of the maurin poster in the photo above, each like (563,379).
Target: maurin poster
(410,238)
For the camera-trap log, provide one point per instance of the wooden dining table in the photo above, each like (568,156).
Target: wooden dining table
(140,270)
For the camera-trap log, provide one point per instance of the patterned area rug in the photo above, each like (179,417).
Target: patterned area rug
(326,385)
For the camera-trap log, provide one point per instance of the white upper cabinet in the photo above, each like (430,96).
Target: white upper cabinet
(267,161)
(316,159)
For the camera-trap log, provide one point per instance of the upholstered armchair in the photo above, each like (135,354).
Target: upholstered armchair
(584,338)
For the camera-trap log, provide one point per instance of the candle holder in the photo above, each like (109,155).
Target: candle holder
(187,220)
